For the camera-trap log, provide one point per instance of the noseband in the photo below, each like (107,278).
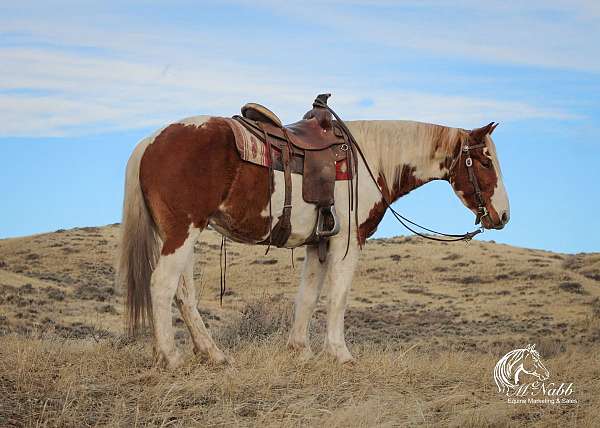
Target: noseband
(466,152)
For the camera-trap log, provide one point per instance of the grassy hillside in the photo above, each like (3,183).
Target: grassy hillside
(427,322)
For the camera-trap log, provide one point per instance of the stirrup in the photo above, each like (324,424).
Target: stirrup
(321,232)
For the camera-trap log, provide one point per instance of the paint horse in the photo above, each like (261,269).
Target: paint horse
(190,175)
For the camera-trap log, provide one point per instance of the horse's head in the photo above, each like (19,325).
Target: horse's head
(532,364)
(476,178)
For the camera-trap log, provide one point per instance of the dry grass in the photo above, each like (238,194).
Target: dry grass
(112,383)
(427,323)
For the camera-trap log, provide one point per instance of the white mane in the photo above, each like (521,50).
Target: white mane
(387,143)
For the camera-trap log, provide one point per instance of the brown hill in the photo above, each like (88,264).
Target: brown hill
(426,320)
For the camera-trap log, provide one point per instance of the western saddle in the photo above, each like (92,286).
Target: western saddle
(316,147)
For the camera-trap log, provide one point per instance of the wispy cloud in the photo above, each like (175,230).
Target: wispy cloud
(73,94)
(556,34)
(64,76)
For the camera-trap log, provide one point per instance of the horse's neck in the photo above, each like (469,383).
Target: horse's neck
(405,155)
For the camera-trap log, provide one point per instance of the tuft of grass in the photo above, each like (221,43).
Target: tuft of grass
(572,287)
(259,319)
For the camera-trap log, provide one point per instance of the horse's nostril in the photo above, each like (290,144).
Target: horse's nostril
(504,218)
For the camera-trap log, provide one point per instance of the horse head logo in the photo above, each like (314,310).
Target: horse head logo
(518,362)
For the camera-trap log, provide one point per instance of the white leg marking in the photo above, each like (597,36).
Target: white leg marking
(187,303)
(340,272)
(311,283)
(164,282)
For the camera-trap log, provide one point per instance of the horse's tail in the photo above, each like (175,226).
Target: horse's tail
(139,248)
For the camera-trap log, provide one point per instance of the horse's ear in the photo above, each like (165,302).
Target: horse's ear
(493,127)
(479,133)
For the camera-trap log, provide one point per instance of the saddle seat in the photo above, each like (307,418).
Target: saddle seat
(260,113)
(316,130)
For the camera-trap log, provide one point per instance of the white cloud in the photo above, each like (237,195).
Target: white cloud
(72,76)
(559,34)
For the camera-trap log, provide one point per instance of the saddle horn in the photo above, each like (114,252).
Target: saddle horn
(320,112)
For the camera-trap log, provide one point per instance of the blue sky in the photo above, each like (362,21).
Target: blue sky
(82,82)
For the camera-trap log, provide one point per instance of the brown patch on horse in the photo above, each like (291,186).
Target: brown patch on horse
(241,212)
(442,139)
(376,213)
(483,168)
(191,173)
(404,182)
(446,140)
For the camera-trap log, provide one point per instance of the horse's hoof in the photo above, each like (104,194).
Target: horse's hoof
(301,349)
(347,362)
(168,362)
(341,355)
(218,357)
(306,354)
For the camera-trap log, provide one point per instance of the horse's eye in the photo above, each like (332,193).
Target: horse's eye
(486,163)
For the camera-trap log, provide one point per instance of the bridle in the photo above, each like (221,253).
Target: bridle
(466,152)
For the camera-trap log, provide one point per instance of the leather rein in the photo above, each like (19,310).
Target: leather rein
(465,149)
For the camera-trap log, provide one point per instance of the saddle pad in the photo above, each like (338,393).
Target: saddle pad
(253,150)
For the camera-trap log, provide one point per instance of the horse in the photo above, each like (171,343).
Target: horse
(518,362)
(189,175)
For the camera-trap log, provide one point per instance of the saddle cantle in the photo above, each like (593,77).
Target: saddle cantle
(316,147)
(260,113)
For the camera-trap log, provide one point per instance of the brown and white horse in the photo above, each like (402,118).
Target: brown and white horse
(189,175)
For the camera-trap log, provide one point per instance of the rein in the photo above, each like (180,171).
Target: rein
(482,211)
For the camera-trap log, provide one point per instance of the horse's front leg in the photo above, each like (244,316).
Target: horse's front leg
(313,276)
(340,271)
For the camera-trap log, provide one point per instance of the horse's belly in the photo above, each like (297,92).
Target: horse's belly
(240,224)
(304,215)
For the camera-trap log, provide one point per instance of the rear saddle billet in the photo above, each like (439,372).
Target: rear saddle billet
(316,147)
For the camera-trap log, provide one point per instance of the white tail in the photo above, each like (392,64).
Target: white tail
(139,247)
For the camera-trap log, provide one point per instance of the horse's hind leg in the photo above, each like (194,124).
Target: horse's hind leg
(164,282)
(186,301)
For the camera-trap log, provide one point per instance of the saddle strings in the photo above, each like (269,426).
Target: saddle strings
(223,266)
(401,219)
(270,155)
(352,189)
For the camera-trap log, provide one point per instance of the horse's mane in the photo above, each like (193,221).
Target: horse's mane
(387,144)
